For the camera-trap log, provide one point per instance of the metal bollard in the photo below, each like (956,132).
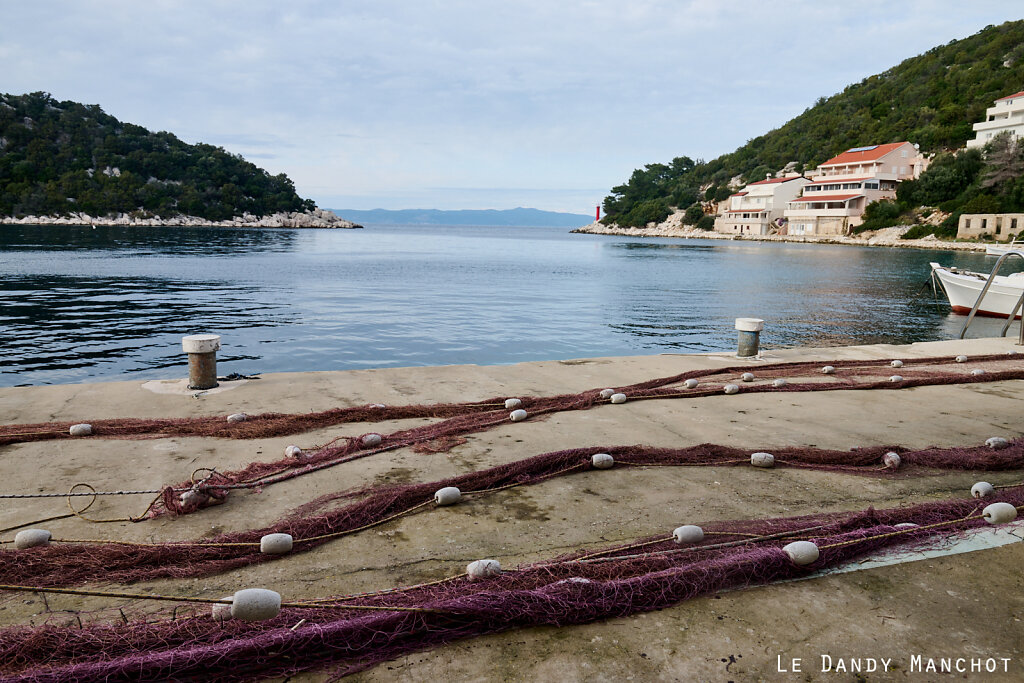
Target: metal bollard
(748,336)
(202,359)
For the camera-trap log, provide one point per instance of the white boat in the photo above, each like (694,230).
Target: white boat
(1000,249)
(962,287)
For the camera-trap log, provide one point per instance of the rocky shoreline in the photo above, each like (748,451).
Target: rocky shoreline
(317,218)
(889,237)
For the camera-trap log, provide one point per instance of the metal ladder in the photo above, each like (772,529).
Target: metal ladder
(984,290)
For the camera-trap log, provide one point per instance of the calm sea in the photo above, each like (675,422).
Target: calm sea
(88,304)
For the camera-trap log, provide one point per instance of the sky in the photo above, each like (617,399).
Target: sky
(466,105)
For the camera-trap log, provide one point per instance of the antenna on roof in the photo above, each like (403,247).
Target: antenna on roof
(767,176)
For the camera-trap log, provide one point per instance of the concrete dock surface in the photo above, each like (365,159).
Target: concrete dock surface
(959,607)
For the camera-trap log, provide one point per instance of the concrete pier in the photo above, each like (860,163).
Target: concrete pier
(966,605)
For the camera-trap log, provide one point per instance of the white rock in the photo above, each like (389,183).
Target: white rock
(691,384)
(892,460)
(220,611)
(83,429)
(999,513)
(688,533)
(802,552)
(293,452)
(602,461)
(731,389)
(896,364)
(255,604)
(371,440)
(982,489)
(483,569)
(517,415)
(449,495)
(512,403)
(762,460)
(961,359)
(607,393)
(618,398)
(31,538)
(829,370)
(779,382)
(747,377)
(237,417)
(896,378)
(997,443)
(276,544)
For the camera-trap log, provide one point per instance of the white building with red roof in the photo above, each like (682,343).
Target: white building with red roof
(1007,114)
(758,208)
(844,185)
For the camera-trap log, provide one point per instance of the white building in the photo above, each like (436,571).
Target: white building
(1006,115)
(756,209)
(844,185)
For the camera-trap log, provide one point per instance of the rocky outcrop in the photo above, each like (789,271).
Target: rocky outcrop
(317,218)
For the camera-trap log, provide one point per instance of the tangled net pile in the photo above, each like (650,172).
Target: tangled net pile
(573,589)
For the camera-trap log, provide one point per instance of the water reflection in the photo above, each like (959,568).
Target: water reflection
(114,241)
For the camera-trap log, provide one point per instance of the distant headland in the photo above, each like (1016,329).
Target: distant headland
(518,217)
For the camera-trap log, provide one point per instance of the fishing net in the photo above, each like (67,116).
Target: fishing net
(73,563)
(573,589)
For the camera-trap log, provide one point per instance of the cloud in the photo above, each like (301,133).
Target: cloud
(402,96)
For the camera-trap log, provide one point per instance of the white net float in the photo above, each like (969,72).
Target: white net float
(896,364)
(961,359)
(977,372)
(896,378)
(828,370)
(982,489)
(192,497)
(517,415)
(607,393)
(905,525)
(997,443)
(747,377)
(31,538)
(371,440)
(602,461)
(999,513)
(83,429)
(512,403)
(449,495)
(483,569)
(802,552)
(762,460)
(688,533)
(237,417)
(691,384)
(221,611)
(892,460)
(293,452)
(255,604)
(731,389)
(276,544)
(779,382)
(618,398)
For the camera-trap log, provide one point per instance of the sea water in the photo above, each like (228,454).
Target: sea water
(111,303)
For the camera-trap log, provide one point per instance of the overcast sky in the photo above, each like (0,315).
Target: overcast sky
(477,104)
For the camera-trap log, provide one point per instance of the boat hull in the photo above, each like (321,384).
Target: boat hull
(963,289)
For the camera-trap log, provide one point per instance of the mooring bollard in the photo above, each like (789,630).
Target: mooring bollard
(202,359)
(749,336)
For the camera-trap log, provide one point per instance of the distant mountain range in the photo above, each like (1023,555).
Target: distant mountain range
(519,217)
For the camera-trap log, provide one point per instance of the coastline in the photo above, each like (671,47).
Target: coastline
(888,237)
(318,218)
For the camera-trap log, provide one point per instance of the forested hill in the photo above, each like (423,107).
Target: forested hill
(63,157)
(932,99)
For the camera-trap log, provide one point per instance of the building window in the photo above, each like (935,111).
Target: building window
(984,223)
(1013,224)
(967,223)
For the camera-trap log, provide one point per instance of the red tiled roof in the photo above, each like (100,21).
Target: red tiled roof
(842,180)
(828,198)
(769,181)
(873,154)
(1008,97)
